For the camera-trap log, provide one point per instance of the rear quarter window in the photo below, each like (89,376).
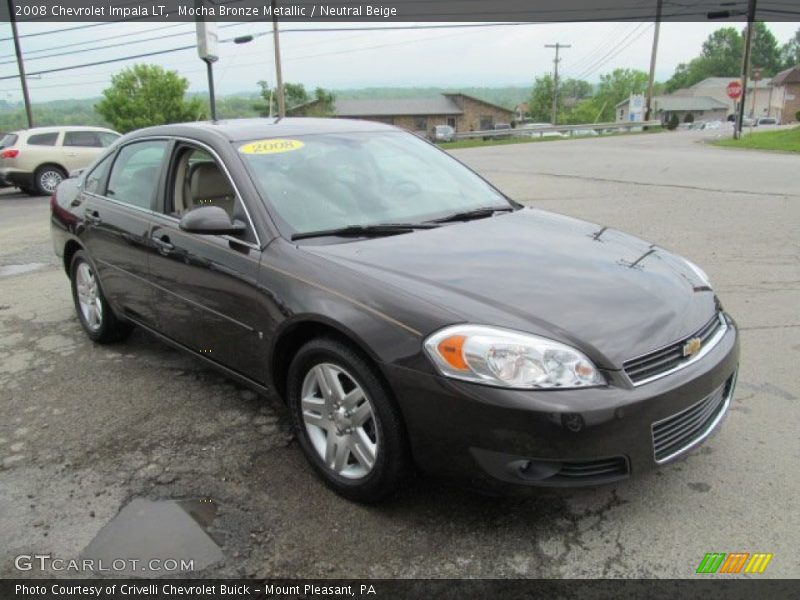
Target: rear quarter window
(8,139)
(43,139)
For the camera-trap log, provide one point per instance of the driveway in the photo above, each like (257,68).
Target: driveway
(87,430)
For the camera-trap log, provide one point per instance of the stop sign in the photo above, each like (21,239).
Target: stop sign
(734,90)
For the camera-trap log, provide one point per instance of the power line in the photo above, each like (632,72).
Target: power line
(615,51)
(304,30)
(95,40)
(102,62)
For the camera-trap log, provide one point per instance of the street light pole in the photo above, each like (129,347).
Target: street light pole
(20,64)
(278,74)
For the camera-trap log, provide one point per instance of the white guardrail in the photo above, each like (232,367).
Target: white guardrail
(537,131)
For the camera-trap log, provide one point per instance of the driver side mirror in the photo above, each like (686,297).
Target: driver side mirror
(211,220)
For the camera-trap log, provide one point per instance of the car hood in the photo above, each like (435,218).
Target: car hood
(610,294)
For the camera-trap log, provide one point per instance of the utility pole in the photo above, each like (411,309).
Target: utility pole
(558,47)
(278,74)
(20,64)
(651,79)
(748,46)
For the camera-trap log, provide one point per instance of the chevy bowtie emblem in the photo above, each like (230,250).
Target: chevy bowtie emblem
(691,347)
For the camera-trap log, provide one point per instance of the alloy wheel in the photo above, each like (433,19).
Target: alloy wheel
(49,180)
(89,296)
(340,421)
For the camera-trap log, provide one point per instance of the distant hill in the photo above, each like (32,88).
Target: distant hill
(244,104)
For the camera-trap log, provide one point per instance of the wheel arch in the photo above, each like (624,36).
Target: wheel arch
(70,248)
(304,328)
(51,163)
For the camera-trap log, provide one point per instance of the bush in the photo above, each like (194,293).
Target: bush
(797,116)
(688,118)
(673,122)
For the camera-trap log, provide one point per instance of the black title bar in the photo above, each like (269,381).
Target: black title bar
(479,11)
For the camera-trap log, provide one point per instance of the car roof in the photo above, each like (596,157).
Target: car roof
(59,128)
(236,130)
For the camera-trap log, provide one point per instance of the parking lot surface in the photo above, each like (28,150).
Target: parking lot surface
(85,430)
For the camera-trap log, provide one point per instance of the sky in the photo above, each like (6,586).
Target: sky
(476,56)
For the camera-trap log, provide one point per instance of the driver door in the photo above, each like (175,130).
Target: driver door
(206,284)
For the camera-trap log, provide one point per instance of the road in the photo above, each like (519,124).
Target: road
(86,429)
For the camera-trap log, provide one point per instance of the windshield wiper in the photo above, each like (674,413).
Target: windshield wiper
(365,230)
(477,213)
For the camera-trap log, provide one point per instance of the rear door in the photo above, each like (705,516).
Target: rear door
(118,197)
(80,148)
(207,284)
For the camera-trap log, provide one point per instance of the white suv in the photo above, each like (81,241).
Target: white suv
(37,160)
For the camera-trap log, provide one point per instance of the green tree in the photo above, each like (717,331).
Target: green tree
(790,52)
(575,88)
(721,56)
(617,86)
(146,95)
(766,54)
(297,100)
(585,111)
(540,105)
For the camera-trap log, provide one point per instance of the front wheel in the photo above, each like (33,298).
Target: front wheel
(347,424)
(96,317)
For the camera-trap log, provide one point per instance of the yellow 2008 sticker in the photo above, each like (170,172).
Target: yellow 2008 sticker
(271,146)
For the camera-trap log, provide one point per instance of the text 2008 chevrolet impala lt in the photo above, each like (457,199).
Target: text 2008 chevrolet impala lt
(408,312)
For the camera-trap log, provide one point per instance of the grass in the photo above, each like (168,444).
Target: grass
(784,140)
(479,143)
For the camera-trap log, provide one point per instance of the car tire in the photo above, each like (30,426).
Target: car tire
(46,179)
(94,313)
(323,417)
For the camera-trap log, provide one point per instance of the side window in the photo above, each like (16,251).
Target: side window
(107,138)
(97,175)
(43,139)
(88,139)
(134,175)
(198,180)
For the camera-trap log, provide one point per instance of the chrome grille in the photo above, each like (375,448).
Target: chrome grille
(676,434)
(655,364)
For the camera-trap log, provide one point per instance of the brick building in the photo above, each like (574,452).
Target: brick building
(462,112)
(785,103)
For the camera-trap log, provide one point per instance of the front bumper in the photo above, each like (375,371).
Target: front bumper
(493,437)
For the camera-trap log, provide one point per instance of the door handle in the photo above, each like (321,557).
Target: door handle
(163,244)
(92,216)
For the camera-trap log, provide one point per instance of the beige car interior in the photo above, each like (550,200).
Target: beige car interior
(201,183)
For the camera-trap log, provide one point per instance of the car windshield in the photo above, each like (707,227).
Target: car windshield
(329,181)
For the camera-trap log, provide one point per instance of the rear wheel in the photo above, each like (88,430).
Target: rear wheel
(47,178)
(347,424)
(96,317)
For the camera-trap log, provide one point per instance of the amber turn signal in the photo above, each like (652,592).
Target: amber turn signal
(451,350)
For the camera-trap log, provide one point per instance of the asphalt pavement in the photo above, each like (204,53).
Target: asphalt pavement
(87,430)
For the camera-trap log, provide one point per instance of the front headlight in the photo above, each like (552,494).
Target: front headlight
(504,358)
